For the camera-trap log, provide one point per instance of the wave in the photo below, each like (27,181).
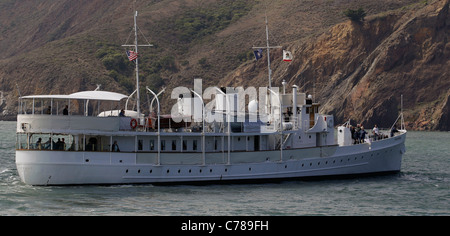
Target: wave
(422,177)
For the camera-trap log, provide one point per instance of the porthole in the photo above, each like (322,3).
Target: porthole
(168,171)
(151,171)
(226,170)
(303,164)
(318,163)
(139,171)
(179,171)
(285,166)
(310,164)
(126,171)
(200,170)
(190,170)
(210,170)
(249,169)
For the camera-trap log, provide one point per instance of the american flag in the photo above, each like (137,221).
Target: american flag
(132,55)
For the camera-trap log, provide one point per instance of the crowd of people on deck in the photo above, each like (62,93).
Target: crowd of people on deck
(51,145)
(61,145)
(359,134)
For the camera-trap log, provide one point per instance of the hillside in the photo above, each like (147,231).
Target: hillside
(66,46)
(358,71)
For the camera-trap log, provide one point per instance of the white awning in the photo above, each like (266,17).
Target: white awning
(86,95)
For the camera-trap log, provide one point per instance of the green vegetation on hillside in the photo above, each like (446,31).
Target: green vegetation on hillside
(355,15)
(122,70)
(192,24)
(196,23)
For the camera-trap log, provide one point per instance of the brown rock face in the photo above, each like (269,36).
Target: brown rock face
(358,71)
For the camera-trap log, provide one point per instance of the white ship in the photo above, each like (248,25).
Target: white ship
(280,136)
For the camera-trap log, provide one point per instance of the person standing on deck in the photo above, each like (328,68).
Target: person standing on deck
(375,132)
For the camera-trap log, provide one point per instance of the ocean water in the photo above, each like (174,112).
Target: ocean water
(421,188)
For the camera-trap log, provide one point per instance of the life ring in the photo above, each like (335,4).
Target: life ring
(133,123)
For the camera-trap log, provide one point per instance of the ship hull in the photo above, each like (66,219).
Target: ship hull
(77,168)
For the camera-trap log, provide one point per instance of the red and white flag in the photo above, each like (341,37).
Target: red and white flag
(132,55)
(287,55)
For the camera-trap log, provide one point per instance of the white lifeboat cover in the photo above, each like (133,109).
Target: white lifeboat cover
(88,95)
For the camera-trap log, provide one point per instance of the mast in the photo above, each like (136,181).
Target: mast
(268,54)
(136,46)
(137,67)
(268,47)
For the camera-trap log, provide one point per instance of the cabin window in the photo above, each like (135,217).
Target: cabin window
(194,145)
(184,145)
(152,145)
(174,145)
(163,144)
(215,144)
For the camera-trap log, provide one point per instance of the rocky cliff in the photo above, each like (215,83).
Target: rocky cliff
(359,70)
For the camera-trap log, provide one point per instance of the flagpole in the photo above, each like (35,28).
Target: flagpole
(268,47)
(137,67)
(135,58)
(268,54)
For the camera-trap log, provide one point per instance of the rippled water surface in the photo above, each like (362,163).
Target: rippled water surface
(421,188)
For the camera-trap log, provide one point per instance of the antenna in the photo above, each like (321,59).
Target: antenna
(18,90)
(402,120)
(1,98)
(314,92)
